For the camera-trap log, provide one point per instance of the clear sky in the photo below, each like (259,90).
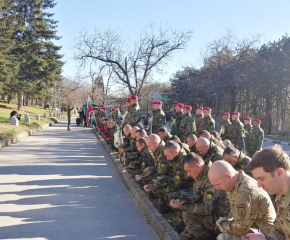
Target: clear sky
(208,19)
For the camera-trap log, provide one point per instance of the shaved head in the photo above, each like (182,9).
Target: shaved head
(227,143)
(153,142)
(127,129)
(191,140)
(171,150)
(204,134)
(202,145)
(223,176)
(133,131)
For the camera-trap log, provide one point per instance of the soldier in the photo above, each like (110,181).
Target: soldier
(69,113)
(227,143)
(112,131)
(273,175)
(247,124)
(184,146)
(237,159)
(131,153)
(200,216)
(191,142)
(135,113)
(207,135)
(116,115)
(255,138)
(141,133)
(127,132)
(236,132)
(250,205)
(127,114)
(186,124)
(155,144)
(198,119)
(179,113)
(164,134)
(208,122)
(225,126)
(158,117)
(208,150)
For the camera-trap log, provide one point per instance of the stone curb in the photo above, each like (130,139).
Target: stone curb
(162,228)
(20,136)
(276,141)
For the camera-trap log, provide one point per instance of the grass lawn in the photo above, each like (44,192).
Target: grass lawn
(7,130)
(278,137)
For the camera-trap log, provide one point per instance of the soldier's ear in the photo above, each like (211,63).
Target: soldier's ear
(156,143)
(280,172)
(197,166)
(228,176)
(176,152)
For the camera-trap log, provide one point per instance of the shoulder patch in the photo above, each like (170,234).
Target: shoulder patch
(177,177)
(209,196)
(162,165)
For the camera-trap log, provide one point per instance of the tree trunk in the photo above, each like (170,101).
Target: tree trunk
(3,97)
(20,102)
(9,99)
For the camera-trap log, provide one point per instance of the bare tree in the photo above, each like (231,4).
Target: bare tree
(131,62)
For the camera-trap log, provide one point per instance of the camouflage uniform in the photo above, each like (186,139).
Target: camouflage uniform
(251,207)
(217,142)
(166,139)
(131,152)
(158,120)
(242,164)
(185,147)
(193,149)
(200,217)
(185,126)
(225,128)
(116,116)
(198,123)
(255,140)
(236,134)
(281,229)
(208,124)
(178,118)
(213,154)
(127,116)
(135,115)
(126,141)
(248,128)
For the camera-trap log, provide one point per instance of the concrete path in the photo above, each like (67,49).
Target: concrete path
(61,185)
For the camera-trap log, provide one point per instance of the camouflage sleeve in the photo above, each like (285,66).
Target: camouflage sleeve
(211,126)
(260,141)
(189,127)
(240,138)
(276,233)
(194,126)
(135,118)
(244,213)
(209,202)
(163,121)
(163,166)
(176,181)
(126,143)
(150,158)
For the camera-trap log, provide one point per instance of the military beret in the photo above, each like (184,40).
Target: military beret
(134,97)
(180,105)
(69,106)
(201,108)
(247,118)
(257,120)
(159,102)
(101,106)
(187,106)
(235,113)
(128,100)
(226,114)
(206,109)
(104,108)
(116,107)
(154,102)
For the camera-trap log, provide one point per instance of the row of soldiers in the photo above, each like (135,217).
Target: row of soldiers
(192,179)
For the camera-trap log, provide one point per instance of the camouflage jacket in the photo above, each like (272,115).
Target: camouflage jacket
(178,178)
(112,131)
(198,123)
(116,116)
(212,202)
(160,161)
(225,128)
(242,164)
(178,118)
(251,207)
(213,154)
(127,116)
(208,124)
(248,128)
(146,158)
(193,149)
(132,147)
(185,147)
(236,133)
(166,139)
(126,141)
(185,126)
(135,115)
(255,139)
(158,120)
(281,229)
(217,142)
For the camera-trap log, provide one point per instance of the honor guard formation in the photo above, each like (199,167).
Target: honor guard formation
(217,185)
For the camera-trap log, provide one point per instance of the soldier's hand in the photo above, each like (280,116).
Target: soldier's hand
(147,189)
(176,206)
(255,236)
(137,178)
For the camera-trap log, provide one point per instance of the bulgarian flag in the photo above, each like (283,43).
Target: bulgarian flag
(89,110)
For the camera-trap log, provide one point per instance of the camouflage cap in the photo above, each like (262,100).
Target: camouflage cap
(188,196)
(160,181)
(148,172)
(134,165)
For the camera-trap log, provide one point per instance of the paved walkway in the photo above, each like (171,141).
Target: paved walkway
(61,185)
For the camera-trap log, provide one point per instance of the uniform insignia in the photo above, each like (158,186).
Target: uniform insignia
(162,165)
(209,196)
(177,177)
(242,210)
(143,164)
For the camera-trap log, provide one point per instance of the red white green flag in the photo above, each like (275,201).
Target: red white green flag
(89,110)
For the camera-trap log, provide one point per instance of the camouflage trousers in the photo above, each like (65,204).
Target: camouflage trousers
(199,226)
(228,236)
